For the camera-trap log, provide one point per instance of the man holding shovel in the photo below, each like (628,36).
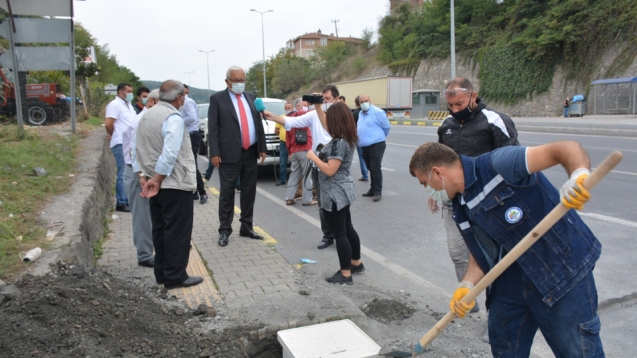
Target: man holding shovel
(498,198)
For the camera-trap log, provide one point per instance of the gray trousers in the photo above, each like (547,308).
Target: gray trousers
(140,209)
(299,160)
(458,249)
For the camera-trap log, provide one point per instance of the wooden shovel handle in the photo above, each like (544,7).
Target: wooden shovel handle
(540,229)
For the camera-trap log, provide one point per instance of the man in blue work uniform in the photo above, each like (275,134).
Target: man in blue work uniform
(498,198)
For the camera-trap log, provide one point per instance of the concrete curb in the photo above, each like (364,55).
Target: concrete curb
(420,123)
(84,209)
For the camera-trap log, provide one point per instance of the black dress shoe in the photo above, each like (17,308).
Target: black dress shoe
(325,243)
(147,263)
(369,193)
(190,281)
(203,199)
(251,234)
(377,197)
(195,196)
(122,207)
(223,240)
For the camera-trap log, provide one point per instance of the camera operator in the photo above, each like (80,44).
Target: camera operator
(336,188)
(316,121)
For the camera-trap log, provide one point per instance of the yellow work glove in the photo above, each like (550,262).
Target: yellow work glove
(460,308)
(573,194)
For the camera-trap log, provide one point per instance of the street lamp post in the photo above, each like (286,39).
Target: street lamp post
(188,73)
(453,40)
(208,67)
(265,92)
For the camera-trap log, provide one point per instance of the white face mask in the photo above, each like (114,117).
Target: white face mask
(438,195)
(365,106)
(238,88)
(325,106)
(305,108)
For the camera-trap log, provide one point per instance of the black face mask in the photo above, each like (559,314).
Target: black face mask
(463,114)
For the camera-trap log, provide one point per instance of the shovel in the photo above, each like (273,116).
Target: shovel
(540,229)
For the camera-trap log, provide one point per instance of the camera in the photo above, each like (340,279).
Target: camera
(313,98)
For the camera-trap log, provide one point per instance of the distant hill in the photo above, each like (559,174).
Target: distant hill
(197,94)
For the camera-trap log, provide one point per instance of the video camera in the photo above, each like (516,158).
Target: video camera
(310,164)
(313,98)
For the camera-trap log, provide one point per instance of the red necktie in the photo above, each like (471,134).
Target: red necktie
(245,130)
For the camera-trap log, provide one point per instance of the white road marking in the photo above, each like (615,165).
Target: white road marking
(610,219)
(587,147)
(579,135)
(387,169)
(403,145)
(382,260)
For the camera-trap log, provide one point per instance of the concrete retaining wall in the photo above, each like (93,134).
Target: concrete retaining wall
(434,74)
(84,209)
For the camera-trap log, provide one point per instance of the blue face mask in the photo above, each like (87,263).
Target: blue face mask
(144,101)
(238,88)
(129,97)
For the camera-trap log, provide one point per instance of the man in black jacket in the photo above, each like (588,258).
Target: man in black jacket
(236,141)
(471,129)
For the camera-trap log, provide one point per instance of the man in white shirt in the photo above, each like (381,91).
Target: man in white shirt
(140,209)
(319,136)
(119,114)
(190,113)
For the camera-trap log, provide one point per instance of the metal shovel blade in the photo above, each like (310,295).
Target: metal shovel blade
(397,354)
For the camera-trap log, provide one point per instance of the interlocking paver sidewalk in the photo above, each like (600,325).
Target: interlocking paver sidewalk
(246,271)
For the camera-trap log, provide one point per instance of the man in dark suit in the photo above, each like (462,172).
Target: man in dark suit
(236,141)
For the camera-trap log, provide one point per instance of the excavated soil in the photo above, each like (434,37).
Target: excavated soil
(78,313)
(385,311)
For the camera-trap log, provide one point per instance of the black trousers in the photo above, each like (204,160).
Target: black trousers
(171,212)
(195,142)
(373,156)
(327,233)
(245,170)
(348,244)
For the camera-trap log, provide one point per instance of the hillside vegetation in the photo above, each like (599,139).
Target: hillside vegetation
(517,43)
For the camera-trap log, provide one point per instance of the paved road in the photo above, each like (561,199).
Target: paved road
(404,246)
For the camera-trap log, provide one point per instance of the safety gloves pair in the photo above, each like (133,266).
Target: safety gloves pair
(573,194)
(460,308)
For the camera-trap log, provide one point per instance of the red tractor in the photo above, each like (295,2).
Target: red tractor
(44,103)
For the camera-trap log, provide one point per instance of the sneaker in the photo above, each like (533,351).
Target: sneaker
(357,269)
(195,196)
(290,202)
(203,199)
(339,279)
(313,202)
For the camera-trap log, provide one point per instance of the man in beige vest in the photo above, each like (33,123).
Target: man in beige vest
(167,176)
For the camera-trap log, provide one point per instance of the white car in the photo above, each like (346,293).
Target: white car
(276,106)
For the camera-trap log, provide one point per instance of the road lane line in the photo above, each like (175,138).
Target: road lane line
(586,146)
(610,219)
(375,256)
(403,145)
(387,169)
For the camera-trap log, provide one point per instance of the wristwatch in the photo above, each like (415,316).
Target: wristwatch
(140,175)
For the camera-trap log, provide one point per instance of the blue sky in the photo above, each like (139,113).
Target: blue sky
(161,39)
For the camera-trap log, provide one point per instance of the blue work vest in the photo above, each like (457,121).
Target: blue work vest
(558,260)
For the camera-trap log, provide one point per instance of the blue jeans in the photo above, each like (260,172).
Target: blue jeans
(283,162)
(120,193)
(362,161)
(565,112)
(571,326)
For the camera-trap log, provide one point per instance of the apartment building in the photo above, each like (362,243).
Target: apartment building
(306,45)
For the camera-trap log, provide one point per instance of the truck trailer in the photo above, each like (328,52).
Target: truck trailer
(392,94)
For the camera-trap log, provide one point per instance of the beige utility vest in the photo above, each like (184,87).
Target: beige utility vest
(150,143)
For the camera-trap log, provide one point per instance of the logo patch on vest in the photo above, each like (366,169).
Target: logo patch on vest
(513,215)
(448,131)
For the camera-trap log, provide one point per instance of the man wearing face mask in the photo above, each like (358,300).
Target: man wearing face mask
(167,174)
(498,198)
(373,128)
(142,99)
(190,114)
(119,115)
(236,141)
(319,136)
(471,129)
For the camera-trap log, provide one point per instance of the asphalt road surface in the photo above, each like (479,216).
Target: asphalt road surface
(404,245)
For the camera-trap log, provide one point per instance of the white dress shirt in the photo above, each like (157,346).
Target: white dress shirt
(124,114)
(190,114)
(246,107)
(129,136)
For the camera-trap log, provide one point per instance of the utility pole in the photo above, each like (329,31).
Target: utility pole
(335,27)
(265,91)
(188,73)
(208,65)
(453,41)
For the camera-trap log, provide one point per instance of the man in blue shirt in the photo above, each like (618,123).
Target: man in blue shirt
(498,198)
(373,128)
(190,113)
(167,176)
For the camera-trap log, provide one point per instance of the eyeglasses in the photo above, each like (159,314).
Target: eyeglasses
(456,91)
(236,81)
